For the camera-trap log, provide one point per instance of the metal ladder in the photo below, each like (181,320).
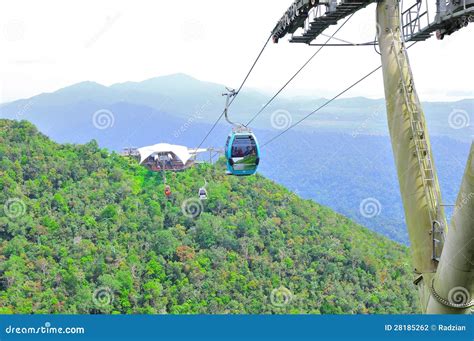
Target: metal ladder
(421,152)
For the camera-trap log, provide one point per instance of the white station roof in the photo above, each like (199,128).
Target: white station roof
(182,152)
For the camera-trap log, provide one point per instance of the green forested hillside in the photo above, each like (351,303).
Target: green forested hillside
(85,231)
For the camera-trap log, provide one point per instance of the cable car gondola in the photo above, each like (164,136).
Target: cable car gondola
(168,191)
(202,193)
(241,150)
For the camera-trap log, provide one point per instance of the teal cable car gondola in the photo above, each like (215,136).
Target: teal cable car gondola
(241,150)
(242,153)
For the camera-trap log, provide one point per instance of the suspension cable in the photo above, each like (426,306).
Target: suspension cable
(328,102)
(297,72)
(237,92)
(323,105)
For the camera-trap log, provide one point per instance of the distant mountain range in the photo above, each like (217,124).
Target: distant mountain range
(176,97)
(339,157)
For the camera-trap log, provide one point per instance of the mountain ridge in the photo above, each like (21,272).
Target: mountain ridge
(184,96)
(175,77)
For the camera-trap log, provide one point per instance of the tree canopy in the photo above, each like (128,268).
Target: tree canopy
(86,231)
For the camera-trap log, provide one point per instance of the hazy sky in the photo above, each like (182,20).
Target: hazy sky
(49,44)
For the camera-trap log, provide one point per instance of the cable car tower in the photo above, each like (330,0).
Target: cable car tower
(443,261)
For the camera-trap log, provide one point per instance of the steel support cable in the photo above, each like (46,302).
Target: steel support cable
(369,43)
(237,93)
(297,72)
(323,105)
(328,102)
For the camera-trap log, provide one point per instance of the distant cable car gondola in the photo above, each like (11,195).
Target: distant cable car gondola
(202,193)
(241,150)
(168,191)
